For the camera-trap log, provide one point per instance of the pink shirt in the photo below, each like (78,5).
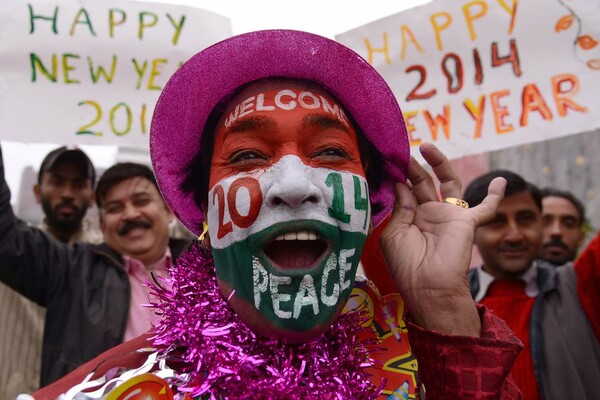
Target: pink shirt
(141,318)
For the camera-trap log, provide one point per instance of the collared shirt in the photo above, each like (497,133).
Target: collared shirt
(529,277)
(141,318)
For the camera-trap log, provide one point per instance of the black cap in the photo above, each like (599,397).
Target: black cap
(72,154)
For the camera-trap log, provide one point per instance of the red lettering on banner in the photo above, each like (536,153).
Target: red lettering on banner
(255,195)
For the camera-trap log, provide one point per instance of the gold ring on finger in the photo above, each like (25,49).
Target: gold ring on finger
(456,201)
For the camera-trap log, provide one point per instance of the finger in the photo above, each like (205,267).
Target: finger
(405,207)
(450,184)
(422,183)
(486,211)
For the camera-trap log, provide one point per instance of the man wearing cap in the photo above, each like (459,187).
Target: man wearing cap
(290,167)
(65,189)
(93,293)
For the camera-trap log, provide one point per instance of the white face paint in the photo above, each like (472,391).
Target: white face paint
(251,213)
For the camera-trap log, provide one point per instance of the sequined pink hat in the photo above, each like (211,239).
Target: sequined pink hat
(206,78)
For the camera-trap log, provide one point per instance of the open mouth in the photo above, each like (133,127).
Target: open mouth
(296,250)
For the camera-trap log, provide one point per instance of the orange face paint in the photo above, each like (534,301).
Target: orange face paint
(269,120)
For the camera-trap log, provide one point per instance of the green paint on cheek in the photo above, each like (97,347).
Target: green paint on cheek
(295,300)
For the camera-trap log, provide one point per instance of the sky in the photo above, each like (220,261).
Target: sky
(324,17)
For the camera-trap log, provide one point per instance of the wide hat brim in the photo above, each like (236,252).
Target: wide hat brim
(206,78)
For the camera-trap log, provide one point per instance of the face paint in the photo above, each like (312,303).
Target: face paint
(295,265)
(288,211)
(288,100)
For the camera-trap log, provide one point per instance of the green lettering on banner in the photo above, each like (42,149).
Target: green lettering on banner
(37,65)
(99,71)
(33,17)
(178,27)
(67,67)
(337,210)
(112,22)
(143,24)
(86,21)
(140,69)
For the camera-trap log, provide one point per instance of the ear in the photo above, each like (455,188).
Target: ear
(37,192)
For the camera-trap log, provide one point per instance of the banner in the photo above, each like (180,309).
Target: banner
(90,72)
(481,75)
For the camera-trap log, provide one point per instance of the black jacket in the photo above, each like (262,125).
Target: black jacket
(84,288)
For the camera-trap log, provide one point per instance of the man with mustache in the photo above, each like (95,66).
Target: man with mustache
(539,301)
(283,150)
(65,189)
(563,218)
(93,293)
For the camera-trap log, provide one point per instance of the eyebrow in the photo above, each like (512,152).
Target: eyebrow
(252,123)
(321,120)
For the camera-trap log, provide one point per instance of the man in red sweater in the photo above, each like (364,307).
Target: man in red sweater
(537,300)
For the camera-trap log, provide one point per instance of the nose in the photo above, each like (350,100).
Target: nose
(514,233)
(554,228)
(131,212)
(293,185)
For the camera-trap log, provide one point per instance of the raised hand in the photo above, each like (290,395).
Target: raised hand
(427,245)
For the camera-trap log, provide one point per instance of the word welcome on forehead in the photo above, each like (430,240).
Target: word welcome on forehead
(286,100)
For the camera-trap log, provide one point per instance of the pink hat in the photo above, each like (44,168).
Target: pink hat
(205,79)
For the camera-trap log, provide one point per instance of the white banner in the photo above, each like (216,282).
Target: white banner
(90,72)
(481,75)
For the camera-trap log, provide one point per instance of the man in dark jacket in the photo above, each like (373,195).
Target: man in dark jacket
(93,293)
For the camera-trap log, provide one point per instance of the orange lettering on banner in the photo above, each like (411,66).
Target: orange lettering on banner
(477,114)
(532,100)
(469,17)
(439,121)
(408,37)
(410,127)
(562,95)
(385,49)
(438,28)
(500,112)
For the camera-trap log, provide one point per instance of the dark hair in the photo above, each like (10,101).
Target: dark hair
(478,188)
(553,192)
(198,170)
(117,174)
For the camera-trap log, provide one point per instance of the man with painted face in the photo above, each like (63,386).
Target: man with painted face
(290,166)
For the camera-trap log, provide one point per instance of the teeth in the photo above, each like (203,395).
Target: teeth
(301,235)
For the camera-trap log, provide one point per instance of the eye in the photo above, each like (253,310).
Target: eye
(332,152)
(245,155)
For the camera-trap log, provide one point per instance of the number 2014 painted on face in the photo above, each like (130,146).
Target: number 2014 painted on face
(243,221)
(337,209)
(333,180)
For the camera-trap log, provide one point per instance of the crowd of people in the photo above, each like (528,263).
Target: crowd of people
(287,174)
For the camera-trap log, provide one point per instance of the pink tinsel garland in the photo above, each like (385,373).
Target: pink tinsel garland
(224,359)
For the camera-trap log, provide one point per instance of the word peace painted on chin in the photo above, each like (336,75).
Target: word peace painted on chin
(286,305)
(227,202)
